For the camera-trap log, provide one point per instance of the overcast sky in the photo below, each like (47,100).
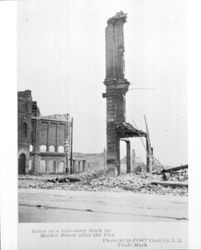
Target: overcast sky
(61,58)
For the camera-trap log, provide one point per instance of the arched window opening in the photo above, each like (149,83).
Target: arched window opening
(43,148)
(61,149)
(30,148)
(22,164)
(42,168)
(30,165)
(25,129)
(52,148)
(60,167)
(50,167)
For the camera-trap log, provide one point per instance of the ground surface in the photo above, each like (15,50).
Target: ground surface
(39,205)
(95,197)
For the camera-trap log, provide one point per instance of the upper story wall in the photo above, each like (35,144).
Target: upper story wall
(24,117)
(114,42)
(52,132)
(50,135)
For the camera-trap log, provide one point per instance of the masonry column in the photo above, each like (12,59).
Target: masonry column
(48,130)
(116,88)
(128,157)
(84,163)
(133,160)
(36,146)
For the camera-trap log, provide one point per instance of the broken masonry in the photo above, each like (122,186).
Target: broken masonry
(116,88)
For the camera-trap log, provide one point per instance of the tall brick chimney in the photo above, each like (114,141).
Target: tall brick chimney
(116,88)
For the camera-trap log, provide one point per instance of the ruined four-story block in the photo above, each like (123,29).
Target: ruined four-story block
(116,88)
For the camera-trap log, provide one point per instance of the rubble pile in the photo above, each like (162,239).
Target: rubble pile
(176,176)
(97,181)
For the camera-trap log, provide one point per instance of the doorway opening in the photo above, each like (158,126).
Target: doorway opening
(22,164)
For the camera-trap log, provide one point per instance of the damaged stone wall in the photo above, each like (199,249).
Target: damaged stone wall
(24,129)
(50,153)
(43,142)
(116,88)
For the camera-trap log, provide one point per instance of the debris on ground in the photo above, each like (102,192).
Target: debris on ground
(170,183)
(178,173)
(97,181)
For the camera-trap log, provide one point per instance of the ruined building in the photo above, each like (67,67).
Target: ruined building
(116,89)
(43,141)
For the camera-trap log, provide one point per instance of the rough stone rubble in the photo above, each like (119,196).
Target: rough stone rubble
(97,181)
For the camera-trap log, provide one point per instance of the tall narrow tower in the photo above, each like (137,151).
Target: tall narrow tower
(116,88)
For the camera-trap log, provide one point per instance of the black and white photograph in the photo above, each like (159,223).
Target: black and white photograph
(102,116)
(102,124)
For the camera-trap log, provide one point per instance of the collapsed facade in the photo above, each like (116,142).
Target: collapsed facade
(44,141)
